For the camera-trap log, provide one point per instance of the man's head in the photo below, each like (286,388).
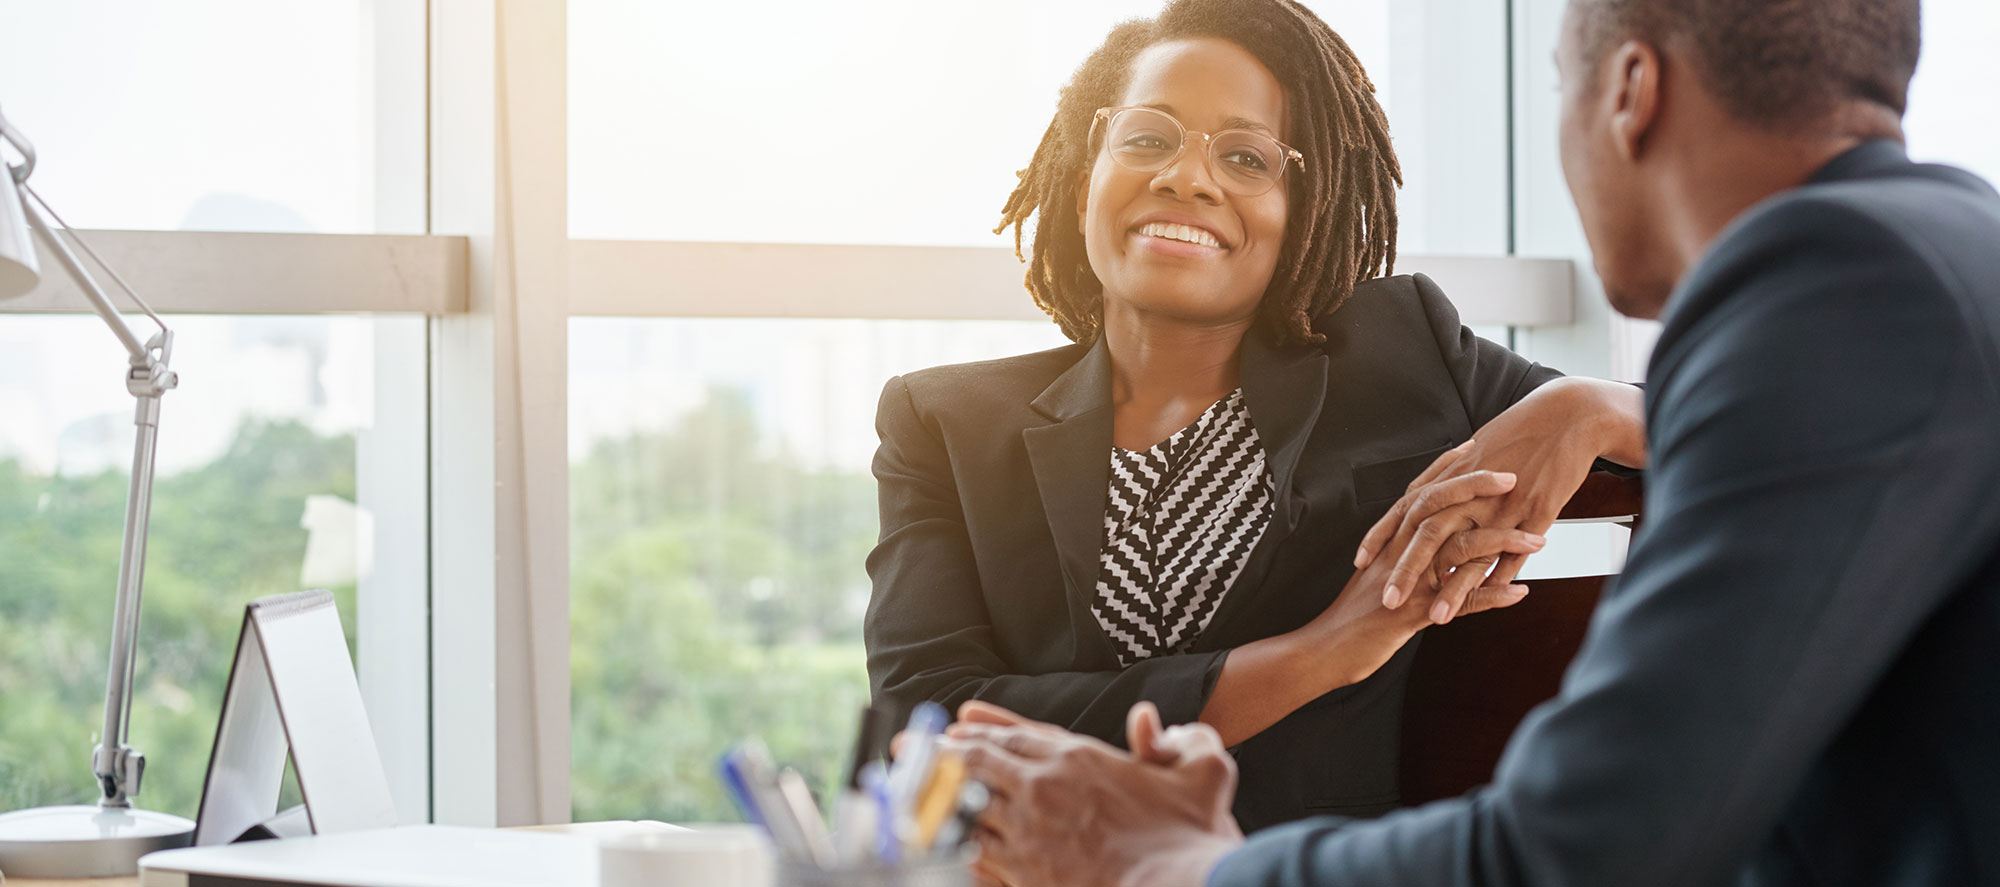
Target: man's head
(1676,113)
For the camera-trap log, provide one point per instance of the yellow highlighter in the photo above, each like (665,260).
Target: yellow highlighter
(939,798)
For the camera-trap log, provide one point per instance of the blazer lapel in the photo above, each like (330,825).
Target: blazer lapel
(1072,463)
(1285,390)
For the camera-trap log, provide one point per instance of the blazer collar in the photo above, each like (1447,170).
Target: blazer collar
(1083,388)
(1071,458)
(1283,388)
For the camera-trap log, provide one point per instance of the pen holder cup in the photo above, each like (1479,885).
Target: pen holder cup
(954,870)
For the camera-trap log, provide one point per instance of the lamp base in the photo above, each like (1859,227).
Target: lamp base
(85,841)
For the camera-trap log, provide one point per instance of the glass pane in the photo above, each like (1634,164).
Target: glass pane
(801,121)
(268,452)
(1955,79)
(222,115)
(721,507)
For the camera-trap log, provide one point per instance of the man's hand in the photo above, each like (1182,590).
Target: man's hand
(1072,810)
(1548,442)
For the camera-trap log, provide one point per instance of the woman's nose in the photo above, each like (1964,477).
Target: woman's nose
(1188,177)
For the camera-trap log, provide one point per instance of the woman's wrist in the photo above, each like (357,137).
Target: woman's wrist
(1611,415)
(1339,652)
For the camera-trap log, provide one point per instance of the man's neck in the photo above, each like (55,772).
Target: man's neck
(1730,169)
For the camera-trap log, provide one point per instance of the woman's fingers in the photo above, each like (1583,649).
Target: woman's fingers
(1385,528)
(1472,552)
(1438,512)
(1506,569)
(1493,597)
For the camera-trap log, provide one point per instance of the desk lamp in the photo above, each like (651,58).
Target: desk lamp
(109,837)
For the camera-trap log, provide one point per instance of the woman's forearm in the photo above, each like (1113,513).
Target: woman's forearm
(1265,680)
(1616,414)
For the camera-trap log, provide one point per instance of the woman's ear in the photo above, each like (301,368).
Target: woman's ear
(1082,198)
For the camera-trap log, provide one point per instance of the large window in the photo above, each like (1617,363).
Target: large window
(881,122)
(292,455)
(721,508)
(271,472)
(721,499)
(222,115)
(1955,77)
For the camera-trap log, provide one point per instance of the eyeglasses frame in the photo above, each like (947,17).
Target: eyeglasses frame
(1104,116)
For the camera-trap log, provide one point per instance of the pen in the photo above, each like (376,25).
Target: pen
(888,847)
(799,800)
(939,799)
(759,777)
(739,790)
(913,767)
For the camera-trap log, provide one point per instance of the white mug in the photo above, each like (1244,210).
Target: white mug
(703,856)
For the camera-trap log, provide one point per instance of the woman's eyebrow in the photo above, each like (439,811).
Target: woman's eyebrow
(1231,123)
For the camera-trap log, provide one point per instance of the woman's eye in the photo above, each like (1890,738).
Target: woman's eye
(1249,160)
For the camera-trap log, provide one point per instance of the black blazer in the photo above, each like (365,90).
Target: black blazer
(1797,680)
(993,479)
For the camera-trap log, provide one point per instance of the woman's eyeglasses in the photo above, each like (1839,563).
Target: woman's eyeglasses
(1245,162)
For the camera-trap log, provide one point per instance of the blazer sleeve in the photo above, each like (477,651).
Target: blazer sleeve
(1490,378)
(928,631)
(1817,494)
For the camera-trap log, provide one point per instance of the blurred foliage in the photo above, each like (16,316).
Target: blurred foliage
(222,534)
(716,593)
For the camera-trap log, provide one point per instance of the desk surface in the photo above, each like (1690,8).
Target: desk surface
(590,829)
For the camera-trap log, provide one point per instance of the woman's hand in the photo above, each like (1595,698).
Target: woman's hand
(1265,680)
(1360,632)
(1548,440)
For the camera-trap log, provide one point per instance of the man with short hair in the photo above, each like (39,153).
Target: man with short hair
(1797,678)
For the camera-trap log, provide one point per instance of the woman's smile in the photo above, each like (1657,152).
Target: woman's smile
(1173,234)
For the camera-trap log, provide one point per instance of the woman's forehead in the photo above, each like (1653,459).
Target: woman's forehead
(1209,84)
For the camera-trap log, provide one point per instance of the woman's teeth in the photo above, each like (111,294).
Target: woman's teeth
(1182,233)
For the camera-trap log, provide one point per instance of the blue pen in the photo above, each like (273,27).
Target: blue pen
(731,768)
(913,767)
(888,847)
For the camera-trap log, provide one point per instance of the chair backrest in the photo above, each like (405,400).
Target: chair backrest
(1475,679)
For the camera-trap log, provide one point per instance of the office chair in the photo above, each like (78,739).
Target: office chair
(1475,679)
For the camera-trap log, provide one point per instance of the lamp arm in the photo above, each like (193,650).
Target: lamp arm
(100,303)
(120,768)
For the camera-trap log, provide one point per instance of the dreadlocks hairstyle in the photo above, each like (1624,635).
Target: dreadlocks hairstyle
(1342,225)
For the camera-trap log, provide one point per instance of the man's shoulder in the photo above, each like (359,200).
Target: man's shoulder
(1921,249)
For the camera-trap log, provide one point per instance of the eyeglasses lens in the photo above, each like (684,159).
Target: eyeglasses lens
(1245,163)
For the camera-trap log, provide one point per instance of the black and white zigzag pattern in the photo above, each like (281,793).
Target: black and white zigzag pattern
(1180,522)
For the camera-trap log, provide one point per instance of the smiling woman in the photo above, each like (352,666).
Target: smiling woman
(1164,509)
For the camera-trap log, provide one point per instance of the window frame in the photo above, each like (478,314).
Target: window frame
(498,277)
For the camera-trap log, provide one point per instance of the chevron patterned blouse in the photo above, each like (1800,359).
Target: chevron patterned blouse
(1179,523)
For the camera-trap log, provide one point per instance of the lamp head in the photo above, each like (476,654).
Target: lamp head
(18,272)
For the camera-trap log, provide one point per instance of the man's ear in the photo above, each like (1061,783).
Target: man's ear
(1082,197)
(1634,69)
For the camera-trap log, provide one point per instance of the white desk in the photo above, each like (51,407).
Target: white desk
(598,830)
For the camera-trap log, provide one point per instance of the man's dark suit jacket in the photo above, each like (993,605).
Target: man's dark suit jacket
(993,479)
(1797,681)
